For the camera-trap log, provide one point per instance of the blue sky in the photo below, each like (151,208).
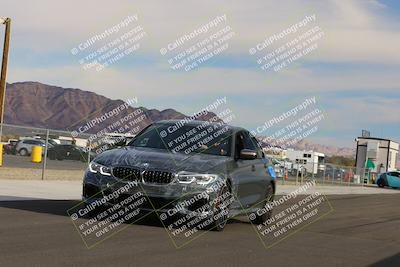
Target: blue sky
(354,73)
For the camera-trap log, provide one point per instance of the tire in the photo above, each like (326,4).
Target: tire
(382,181)
(222,210)
(23,152)
(269,197)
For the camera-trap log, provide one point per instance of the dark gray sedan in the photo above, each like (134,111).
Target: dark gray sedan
(210,170)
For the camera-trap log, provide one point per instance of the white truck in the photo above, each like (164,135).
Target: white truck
(309,161)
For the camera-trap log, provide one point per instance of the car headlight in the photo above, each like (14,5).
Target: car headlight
(198,178)
(98,168)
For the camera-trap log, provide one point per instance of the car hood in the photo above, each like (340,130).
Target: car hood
(146,158)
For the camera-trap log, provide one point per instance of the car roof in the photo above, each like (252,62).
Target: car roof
(196,123)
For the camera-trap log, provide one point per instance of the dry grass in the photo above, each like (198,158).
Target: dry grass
(36,174)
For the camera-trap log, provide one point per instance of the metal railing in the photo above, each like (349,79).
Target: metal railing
(323,173)
(55,163)
(62,166)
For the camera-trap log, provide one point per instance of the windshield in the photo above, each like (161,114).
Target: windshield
(214,139)
(52,142)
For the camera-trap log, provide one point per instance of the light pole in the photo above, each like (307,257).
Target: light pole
(7,22)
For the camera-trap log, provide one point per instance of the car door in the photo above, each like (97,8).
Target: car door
(71,152)
(393,179)
(28,144)
(62,152)
(76,153)
(249,176)
(31,143)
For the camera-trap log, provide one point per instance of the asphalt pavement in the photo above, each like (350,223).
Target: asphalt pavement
(362,230)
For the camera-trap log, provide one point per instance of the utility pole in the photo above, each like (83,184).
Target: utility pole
(7,22)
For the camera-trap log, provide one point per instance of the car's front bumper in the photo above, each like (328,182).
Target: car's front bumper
(172,199)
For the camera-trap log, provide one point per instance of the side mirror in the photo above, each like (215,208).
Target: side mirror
(248,154)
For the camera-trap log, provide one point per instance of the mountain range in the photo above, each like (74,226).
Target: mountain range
(40,105)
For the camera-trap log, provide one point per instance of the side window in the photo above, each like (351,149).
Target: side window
(248,142)
(239,144)
(260,153)
(245,141)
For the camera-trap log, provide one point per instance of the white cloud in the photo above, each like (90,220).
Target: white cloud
(368,110)
(353,31)
(355,34)
(150,83)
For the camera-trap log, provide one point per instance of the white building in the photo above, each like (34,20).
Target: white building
(381,152)
(275,152)
(310,160)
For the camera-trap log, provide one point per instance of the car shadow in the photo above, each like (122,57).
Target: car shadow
(61,207)
(389,261)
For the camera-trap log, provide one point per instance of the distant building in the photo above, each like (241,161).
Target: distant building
(275,152)
(377,154)
(312,161)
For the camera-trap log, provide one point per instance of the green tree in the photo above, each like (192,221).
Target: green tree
(341,160)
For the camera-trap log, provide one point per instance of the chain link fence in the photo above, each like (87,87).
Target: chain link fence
(64,157)
(324,173)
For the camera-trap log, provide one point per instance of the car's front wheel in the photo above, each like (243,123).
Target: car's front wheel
(221,208)
(265,213)
(382,181)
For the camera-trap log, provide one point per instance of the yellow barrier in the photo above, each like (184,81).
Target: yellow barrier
(37,154)
(1,155)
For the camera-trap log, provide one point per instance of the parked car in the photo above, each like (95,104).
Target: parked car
(231,158)
(24,147)
(299,170)
(52,142)
(279,167)
(390,179)
(71,152)
(9,147)
(334,173)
